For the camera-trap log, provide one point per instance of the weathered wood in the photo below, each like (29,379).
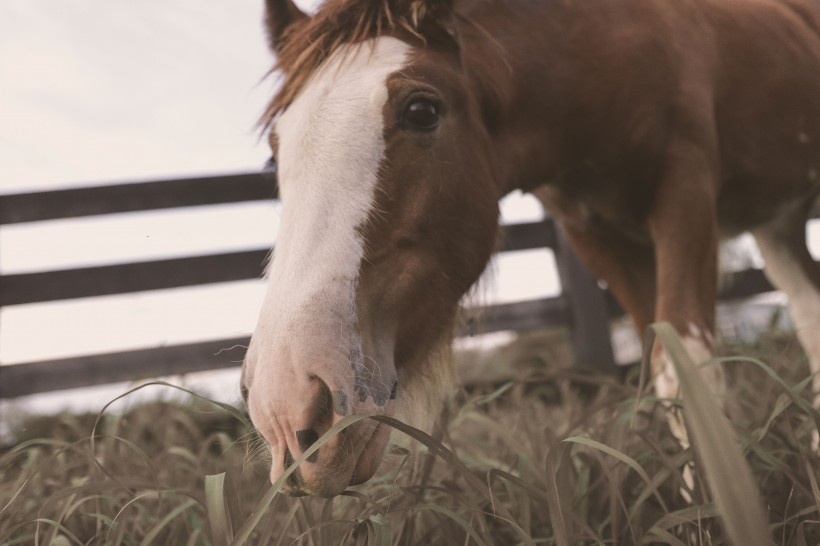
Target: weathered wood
(584,306)
(746,283)
(86,371)
(124,278)
(589,318)
(87,282)
(37,377)
(518,316)
(741,284)
(69,373)
(529,235)
(78,202)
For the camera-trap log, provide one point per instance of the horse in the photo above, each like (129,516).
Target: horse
(649,129)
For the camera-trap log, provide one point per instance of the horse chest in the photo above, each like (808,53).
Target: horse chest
(595,212)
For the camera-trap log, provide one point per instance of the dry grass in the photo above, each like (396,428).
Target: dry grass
(536,461)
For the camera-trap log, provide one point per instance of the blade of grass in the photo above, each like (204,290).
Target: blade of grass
(378,528)
(660,477)
(781,404)
(139,497)
(791,392)
(194,538)
(64,447)
(318,528)
(526,486)
(690,514)
(624,458)
(726,470)
(454,516)
(289,517)
(655,535)
(554,504)
(813,481)
(45,521)
(486,399)
(250,524)
(451,459)
(520,493)
(218,518)
(150,538)
(227,407)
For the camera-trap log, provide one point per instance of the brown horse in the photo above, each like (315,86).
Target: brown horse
(649,128)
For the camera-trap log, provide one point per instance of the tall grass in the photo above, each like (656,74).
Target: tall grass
(536,461)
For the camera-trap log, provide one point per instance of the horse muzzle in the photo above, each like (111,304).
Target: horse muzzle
(296,397)
(347,459)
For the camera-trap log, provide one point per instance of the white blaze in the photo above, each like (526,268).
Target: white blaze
(331,146)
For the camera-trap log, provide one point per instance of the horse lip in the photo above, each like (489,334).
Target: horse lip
(366,464)
(376,443)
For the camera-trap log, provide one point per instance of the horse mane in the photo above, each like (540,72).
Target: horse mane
(310,42)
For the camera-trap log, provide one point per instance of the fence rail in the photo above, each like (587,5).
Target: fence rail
(134,197)
(583,305)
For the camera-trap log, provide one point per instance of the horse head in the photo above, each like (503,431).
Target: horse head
(389,215)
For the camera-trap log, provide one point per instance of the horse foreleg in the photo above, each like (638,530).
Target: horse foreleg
(683,227)
(791,269)
(627,267)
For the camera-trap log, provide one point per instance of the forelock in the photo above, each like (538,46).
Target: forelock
(310,42)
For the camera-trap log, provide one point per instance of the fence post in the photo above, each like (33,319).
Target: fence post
(590,334)
(2,288)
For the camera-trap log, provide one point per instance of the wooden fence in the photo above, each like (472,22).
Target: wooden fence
(583,306)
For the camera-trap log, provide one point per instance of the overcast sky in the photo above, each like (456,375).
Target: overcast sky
(106,90)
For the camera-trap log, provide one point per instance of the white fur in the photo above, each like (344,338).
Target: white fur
(667,383)
(785,274)
(667,386)
(331,148)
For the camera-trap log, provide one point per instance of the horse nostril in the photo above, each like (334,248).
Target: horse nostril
(340,403)
(307,438)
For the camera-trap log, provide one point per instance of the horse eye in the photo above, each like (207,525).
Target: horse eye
(421,115)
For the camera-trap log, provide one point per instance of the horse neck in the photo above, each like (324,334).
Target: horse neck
(512,52)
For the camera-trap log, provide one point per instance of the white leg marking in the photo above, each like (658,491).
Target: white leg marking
(667,384)
(786,274)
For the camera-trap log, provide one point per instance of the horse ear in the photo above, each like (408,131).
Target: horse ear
(436,12)
(280,15)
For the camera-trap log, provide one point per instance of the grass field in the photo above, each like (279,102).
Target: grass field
(552,457)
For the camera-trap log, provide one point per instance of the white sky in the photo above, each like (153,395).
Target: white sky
(104,90)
